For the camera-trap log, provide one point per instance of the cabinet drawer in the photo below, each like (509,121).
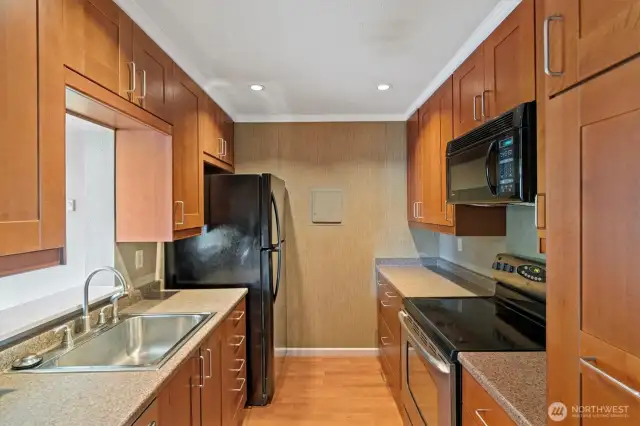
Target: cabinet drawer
(478,403)
(389,346)
(150,417)
(389,304)
(238,319)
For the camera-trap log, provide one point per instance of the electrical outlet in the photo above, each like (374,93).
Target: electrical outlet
(459,244)
(139,259)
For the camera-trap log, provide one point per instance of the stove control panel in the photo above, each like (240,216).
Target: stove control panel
(525,274)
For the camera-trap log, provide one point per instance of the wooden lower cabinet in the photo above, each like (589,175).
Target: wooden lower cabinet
(389,335)
(478,407)
(209,389)
(150,417)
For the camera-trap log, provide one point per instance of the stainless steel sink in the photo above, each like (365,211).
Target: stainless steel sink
(137,342)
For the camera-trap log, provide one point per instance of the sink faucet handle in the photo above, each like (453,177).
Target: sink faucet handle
(102,318)
(67,337)
(114,302)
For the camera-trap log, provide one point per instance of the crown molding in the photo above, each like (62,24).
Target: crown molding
(486,27)
(315,118)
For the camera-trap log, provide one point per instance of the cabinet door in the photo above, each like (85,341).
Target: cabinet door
(593,143)
(153,70)
(150,417)
(588,36)
(541,141)
(180,398)
(228,133)
(509,63)
(468,84)
(414,170)
(187,168)
(32,177)
(212,133)
(98,42)
(212,390)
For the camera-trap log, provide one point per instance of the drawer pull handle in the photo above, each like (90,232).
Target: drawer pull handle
(241,388)
(481,410)
(153,423)
(238,369)
(383,342)
(588,361)
(389,294)
(239,343)
(385,305)
(239,317)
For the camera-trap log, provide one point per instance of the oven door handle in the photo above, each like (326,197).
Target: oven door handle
(493,188)
(438,365)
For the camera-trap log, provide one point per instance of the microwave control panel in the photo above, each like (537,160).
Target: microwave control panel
(507,172)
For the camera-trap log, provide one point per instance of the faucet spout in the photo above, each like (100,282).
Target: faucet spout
(86,319)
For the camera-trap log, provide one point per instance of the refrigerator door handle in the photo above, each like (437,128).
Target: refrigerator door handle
(278,248)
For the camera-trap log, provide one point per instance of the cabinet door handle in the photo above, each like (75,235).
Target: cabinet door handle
(384,305)
(419,203)
(415,216)
(238,369)
(383,342)
(241,388)
(224,147)
(201,360)
(144,85)
(132,83)
(220,147)
(535,217)
(239,317)
(210,365)
(475,112)
(181,203)
(482,102)
(481,410)
(588,361)
(547,46)
(390,294)
(239,343)
(446,212)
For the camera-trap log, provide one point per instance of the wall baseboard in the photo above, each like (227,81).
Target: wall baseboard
(328,352)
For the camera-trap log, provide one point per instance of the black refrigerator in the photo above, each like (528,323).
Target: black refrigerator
(242,244)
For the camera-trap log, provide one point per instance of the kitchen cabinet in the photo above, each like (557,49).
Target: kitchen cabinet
(32,149)
(234,366)
(389,335)
(98,43)
(468,87)
(541,141)
(218,133)
(478,407)
(179,400)
(153,69)
(509,63)
(593,302)
(426,175)
(586,37)
(188,191)
(150,417)
(211,350)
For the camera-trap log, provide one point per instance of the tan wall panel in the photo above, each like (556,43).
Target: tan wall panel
(331,287)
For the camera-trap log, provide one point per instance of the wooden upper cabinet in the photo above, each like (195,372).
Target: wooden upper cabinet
(593,134)
(97,43)
(227,135)
(541,137)
(509,63)
(468,85)
(414,167)
(153,71)
(187,166)
(588,36)
(218,132)
(32,147)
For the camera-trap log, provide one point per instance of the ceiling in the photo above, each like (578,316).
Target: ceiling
(319,60)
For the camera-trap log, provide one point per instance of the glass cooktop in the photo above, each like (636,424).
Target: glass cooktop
(477,324)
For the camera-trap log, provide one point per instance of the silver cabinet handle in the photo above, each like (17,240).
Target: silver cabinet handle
(144,85)
(181,203)
(419,203)
(210,365)
(241,388)
(201,385)
(390,294)
(221,147)
(133,77)
(482,102)
(415,214)
(153,423)
(241,366)
(239,317)
(239,343)
(535,217)
(384,305)
(446,211)
(224,147)
(475,113)
(383,342)
(547,46)
(481,410)
(587,362)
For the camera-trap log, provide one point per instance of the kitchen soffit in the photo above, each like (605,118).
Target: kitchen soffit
(319,60)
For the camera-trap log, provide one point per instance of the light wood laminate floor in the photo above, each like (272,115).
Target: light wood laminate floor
(329,391)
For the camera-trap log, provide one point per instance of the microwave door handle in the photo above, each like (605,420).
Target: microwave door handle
(493,188)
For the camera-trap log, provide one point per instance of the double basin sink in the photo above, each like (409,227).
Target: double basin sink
(136,342)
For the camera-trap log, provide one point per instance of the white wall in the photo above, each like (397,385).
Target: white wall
(90,229)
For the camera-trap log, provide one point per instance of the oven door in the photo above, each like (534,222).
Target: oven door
(472,174)
(428,379)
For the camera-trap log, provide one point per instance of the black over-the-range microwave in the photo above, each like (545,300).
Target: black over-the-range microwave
(495,163)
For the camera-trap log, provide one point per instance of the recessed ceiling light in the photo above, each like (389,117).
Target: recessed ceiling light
(384,87)
(257,87)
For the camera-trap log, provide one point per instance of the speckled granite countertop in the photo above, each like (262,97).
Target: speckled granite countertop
(113,398)
(516,380)
(418,281)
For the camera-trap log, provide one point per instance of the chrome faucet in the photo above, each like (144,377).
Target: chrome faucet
(86,318)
